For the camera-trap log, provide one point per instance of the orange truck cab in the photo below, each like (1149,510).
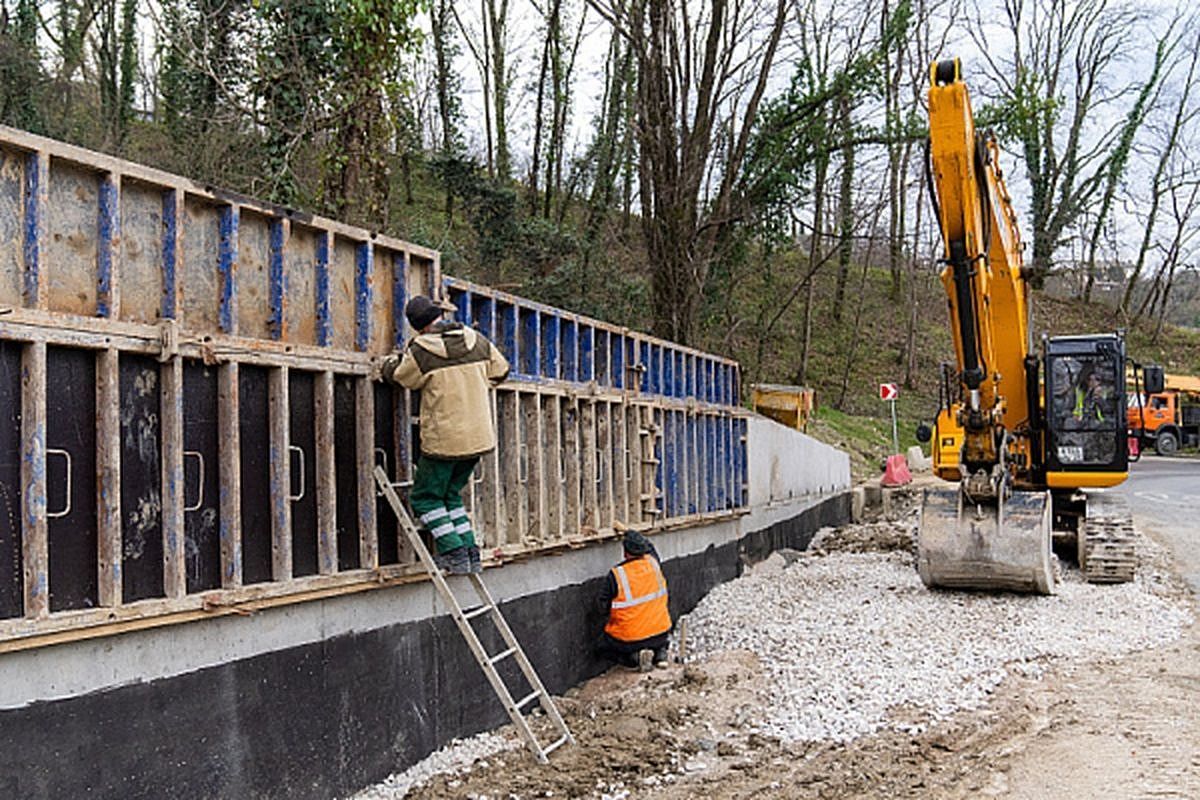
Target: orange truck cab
(1169,419)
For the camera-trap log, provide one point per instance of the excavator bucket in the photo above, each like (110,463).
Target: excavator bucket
(962,545)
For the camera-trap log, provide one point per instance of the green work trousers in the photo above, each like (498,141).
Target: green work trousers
(436,499)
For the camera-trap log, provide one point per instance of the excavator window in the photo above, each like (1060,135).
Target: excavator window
(1084,408)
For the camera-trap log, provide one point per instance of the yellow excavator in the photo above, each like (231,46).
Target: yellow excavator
(1025,435)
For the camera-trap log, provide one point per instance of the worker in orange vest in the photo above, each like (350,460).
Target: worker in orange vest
(635,595)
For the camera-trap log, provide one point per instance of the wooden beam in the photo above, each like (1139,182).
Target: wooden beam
(490,492)
(37,209)
(108,246)
(587,456)
(364,451)
(173,529)
(229,454)
(512,466)
(108,478)
(535,470)
(327,543)
(35,548)
(572,491)
(280,470)
(620,470)
(554,478)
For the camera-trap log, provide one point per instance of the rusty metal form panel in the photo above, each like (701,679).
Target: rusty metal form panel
(188,422)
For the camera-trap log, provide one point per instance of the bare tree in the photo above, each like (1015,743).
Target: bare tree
(1167,142)
(702,73)
(1059,95)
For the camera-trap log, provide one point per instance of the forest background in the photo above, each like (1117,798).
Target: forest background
(746,176)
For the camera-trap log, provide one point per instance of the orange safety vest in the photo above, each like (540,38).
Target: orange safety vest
(639,610)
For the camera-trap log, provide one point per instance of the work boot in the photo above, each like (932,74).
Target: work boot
(454,562)
(476,561)
(660,658)
(645,660)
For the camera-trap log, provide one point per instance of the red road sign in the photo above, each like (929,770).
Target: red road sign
(888,391)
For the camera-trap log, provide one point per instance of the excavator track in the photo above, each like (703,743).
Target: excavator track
(1107,540)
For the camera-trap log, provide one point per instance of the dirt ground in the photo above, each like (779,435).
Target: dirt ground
(1122,728)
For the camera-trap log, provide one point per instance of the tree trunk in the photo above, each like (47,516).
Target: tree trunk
(497,27)
(845,207)
(819,175)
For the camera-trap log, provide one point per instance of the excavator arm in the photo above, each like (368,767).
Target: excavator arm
(984,281)
(982,533)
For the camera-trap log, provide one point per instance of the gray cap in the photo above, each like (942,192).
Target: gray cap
(421,311)
(635,544)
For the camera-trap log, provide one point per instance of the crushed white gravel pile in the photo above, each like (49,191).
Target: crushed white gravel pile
(848,637)
(851,642)
(458,757)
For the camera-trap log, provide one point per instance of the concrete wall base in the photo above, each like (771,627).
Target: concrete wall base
(322,699)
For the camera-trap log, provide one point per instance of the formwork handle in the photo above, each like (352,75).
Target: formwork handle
(199,481)
(300,450)
(54,451)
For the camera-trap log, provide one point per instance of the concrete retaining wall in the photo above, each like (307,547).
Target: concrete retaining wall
(319,699)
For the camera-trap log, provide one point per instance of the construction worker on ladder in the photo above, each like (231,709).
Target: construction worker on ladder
(635,595)
(453,367)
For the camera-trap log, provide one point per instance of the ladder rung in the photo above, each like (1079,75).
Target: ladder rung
(555,745)
(531,696)
(475,612)
(501,656)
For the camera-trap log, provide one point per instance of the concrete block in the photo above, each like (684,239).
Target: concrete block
(872,494)
(889,503)
(917,460)
(858,503)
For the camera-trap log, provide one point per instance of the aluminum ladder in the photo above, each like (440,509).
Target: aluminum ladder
(486,661)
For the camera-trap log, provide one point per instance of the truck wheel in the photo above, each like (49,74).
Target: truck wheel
(1166,443)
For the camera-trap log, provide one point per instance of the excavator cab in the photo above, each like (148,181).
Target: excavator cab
(1084,409)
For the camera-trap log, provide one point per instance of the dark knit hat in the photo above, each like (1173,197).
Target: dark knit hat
(421,311)
(635,544)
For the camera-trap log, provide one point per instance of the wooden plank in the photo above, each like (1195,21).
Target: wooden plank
(587,456)
(620,432)
(174,544)
(281,475)
(512,466)
(108,477)
(35,546)
(603,459)
(552,431)
(535,471)
(368,537)
(490,519)
(327,544)
(230,457)
(572,491)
